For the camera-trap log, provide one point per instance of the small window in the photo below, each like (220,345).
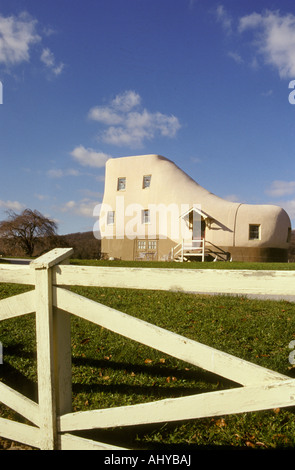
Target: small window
(152,245)
(146,216)
(146,181)
(121,184)
(254,232)
(111,218)
(141,244)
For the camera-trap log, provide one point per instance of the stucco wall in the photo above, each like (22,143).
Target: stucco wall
(170,186)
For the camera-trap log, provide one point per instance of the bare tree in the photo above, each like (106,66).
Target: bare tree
(25,229)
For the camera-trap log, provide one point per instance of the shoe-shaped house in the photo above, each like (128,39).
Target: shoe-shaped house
(153,210)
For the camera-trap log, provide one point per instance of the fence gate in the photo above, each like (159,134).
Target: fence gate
(52,419)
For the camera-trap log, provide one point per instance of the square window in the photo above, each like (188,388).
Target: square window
(121,184)
(141,244)
(146,181)
(145,216)
(254,232)
(152,244)
(111,217)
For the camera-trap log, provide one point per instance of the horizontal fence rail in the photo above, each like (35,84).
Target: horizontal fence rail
(52,417)
(220,281)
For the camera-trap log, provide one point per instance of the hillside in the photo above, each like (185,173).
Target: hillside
(85,245)
(292,247)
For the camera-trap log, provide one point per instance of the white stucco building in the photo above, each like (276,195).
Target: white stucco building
(153,210)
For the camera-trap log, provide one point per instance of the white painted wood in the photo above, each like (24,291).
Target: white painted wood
(238,400)
(17,305)
(45,359)
(218,281)
(69,442)
(52,258)
(15,274)
(178,346)
(19,403)
(20,432)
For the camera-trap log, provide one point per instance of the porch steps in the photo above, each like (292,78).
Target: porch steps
(199,248)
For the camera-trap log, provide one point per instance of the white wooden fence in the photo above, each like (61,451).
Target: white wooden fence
(52,417)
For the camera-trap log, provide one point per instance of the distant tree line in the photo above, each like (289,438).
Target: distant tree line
(31,234)
(291,255)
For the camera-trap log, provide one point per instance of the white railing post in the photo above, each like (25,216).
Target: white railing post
(52,347)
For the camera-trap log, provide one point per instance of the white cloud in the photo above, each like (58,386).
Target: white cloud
(126,101)
(274,38)
(232,198)
(47,57)
(281,188)
(41,197)
(83,208)
(89,157)
(224,18)
(12,205)
(289,207)
(236,57)
(104,115)
(59,173)
(17,34)
(128,124)
(55,173)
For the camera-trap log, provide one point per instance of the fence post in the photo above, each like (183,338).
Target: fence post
(49,347)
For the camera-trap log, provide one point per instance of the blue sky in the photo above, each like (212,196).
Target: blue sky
(204,83)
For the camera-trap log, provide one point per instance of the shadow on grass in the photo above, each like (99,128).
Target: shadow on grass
(15,379)
(201,380)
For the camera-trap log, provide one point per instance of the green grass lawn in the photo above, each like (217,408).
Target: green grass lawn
(109,370)
(187,265)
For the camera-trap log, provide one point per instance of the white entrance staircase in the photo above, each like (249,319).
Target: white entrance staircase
(202,248)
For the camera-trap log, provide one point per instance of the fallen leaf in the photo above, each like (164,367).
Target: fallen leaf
(261,444)
(84,341)
(250,444)
(220,423)
(162,360)
(148,361)
(106,377)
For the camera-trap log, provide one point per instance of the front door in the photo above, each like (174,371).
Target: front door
(197,226)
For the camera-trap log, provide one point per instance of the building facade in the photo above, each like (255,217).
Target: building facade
(152,210)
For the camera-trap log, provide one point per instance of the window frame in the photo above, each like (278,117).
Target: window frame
(141,245)
(152,245)
(145,179)
(119,181)
(252,229)
(111,218)
(146,216)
